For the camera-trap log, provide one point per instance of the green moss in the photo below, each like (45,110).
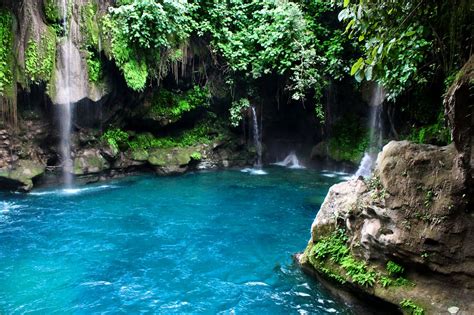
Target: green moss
(40,57)
(6,54)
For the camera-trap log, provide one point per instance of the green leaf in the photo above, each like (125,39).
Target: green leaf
(346,3)
(356,66)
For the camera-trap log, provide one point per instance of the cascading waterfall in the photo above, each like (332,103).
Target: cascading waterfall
(375,139)
(291,161)
(257,139)
(65,106)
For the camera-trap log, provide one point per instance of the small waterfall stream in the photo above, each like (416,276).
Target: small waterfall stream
(291,161)
(65,106)
(257,139)
(375,139)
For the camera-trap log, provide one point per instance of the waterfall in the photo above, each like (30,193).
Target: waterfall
(65,106)
(257,140)
(375,137)
(291,161)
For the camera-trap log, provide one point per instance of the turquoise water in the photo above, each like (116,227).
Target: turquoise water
(217,242)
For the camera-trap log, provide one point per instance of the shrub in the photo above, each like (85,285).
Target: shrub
(115,138)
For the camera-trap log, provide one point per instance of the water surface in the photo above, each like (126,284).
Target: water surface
(217,242)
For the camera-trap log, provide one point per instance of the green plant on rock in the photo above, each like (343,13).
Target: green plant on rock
(379,192)
(40,57)
(411,307)
(429,197)
(394,269)
(51,10)
(237,111)
(116,138)
(89,25)
(385,282)
(437,133)
(196,156)
(333,248)
(94,66)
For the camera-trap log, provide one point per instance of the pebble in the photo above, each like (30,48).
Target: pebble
(453,310)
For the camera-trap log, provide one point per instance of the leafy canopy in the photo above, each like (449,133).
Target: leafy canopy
(404,43)
(145,35)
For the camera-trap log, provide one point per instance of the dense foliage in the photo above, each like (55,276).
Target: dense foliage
(6,49)
(406,43)
(145,36)
(203,132)
(169,105)
(349,140)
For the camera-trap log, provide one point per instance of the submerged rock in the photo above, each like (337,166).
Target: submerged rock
(415,211)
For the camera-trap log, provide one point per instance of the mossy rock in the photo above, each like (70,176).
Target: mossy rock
(89,162)
(174,156)
(140,155)
(22,175)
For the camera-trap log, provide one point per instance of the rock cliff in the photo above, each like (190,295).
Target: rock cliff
(405,235)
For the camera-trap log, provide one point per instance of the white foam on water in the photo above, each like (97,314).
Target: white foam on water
(256,283)
(71,191)
(302,294)
(254,171)
(96,283)
(6,207)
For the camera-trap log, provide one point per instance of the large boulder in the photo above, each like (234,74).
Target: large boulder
(172,160)
(89,161)
(415,211)
(21,175)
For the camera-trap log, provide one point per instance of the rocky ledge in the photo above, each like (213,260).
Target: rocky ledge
(404,236)
(29,155)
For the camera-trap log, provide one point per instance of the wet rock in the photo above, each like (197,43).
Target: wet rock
(89,161)
(21,175)
(169,161)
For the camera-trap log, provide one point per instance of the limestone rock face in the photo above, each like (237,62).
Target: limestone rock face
(416,211)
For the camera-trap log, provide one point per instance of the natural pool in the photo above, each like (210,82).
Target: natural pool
(216,242)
